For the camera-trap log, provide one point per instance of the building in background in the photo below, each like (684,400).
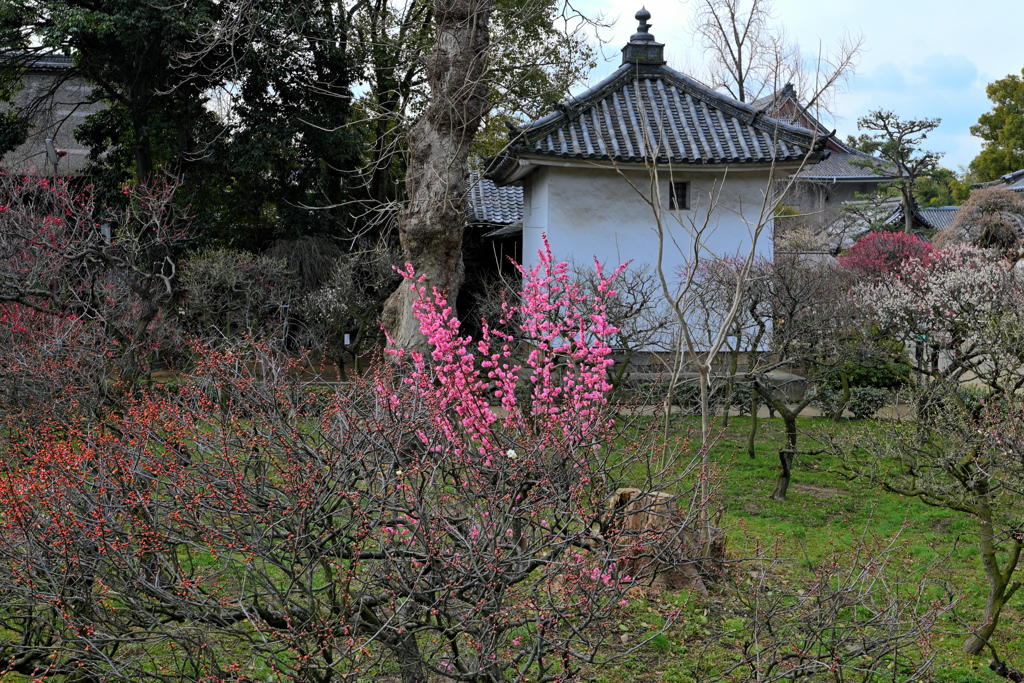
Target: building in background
(1011,181)
(56,104)
(586,170)
(815,196)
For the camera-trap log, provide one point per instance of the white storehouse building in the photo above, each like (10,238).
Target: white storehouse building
(587,169)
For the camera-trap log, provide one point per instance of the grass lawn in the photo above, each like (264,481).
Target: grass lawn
(822,506)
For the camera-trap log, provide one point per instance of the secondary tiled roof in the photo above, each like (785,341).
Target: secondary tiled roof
(940,217)
(1011,181)
(38,61)
(847,165)
(488,204)
(845,162)
(646,111)
(935,218)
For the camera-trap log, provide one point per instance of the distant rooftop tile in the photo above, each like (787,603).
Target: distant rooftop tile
(488,204)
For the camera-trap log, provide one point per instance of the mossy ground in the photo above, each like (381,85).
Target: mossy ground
(823,507)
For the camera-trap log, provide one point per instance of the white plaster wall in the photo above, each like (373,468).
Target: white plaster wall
(588,212)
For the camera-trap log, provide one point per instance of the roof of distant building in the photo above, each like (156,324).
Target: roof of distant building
(39,61)
(935,217)
(646,111)
(488,204)
(846,163)
(1011,181)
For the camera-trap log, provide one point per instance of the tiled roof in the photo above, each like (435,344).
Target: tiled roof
(645,111)
(1011,181)
(845,162)
(630,116)
(939,217)
(936,218)
(847,165)
(488,204)
(42,61)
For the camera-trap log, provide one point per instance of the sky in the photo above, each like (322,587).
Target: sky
(920,59)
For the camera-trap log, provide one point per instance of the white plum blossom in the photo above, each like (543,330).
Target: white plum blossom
(941,297)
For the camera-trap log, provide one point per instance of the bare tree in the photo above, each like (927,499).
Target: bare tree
(343,316)
(859,614)
(392,526)
(742,48)
(749,56)
(960,451)
(225,293)
(811,327)
(61,255)
(643,325)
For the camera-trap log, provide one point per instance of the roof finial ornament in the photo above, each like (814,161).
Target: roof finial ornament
(642,16)
(642,48)
(642,32)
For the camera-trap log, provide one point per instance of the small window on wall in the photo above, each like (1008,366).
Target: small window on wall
(679,196)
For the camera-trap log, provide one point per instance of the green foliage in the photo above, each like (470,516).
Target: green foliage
(864,401)
(14,125)
(741,397)
(942,188)
(658,642)
(1001,130)
(888,375)
(864,143)
(13,131)
(535,60)
(899,150)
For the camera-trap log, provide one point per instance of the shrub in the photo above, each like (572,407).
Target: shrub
(741,397)
(880,254)
(864,401)
(226,292)
(397,525)
(991,218)
(888,374)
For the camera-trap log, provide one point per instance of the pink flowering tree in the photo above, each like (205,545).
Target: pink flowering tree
(963,309)
(880,254)
(458,515)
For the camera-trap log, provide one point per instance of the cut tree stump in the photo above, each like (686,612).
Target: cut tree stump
(657,549)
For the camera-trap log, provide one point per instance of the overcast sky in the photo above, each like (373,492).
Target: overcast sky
(922,58)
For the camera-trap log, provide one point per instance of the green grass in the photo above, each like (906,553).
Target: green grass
(822,507)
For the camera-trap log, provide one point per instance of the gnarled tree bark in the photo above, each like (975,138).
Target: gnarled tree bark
(431,224)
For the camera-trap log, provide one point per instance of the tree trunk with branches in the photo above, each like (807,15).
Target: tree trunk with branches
(431,224)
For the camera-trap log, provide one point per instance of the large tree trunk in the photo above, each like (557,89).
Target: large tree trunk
(431,224)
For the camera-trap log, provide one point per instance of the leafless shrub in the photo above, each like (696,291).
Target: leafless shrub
(342,317)
(859,616)
(225,293)
(991,218)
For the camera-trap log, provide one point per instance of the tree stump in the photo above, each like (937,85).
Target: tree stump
(656,547)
